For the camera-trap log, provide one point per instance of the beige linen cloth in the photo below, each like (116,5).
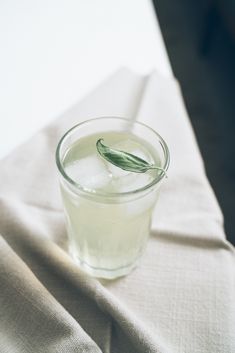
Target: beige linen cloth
(181,298)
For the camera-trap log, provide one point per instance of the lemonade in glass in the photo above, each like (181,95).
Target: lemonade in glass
(108,209)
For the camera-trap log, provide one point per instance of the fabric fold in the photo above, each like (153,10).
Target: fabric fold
(31,319)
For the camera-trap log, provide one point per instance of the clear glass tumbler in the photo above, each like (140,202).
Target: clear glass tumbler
(108,215)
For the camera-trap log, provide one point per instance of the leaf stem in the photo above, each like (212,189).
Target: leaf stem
(156,167)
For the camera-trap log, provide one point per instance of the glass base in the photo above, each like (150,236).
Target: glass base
(103,272)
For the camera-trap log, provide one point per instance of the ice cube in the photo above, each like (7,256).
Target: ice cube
(116,172)
(129,146)
(133,181)
(90,172)
(122,180)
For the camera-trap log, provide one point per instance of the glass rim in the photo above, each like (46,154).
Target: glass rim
(94,193)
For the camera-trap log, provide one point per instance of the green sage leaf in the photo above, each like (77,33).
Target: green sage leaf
(124,160)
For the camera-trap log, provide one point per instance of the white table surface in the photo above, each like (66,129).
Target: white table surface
(53,52)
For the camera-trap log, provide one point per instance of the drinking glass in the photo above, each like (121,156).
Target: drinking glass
(108,230)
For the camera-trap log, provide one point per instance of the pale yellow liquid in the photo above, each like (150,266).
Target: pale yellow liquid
(107,235)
